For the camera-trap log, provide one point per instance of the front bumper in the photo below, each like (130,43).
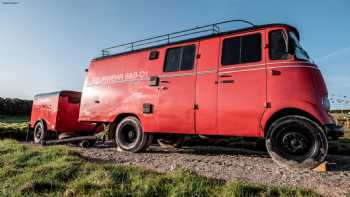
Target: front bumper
(334,131)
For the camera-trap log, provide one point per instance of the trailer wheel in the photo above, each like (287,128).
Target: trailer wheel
(129,135)
(40,132)
(297,142)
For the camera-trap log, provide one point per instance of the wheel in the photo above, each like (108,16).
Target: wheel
(297,142)
(129,135)
(171,141)
(40,132)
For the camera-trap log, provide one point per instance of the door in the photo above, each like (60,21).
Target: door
(206,86)
(241,85)
(177,90)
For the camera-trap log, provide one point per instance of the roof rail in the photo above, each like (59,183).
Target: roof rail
(167,38)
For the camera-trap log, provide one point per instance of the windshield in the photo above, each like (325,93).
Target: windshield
(296,47)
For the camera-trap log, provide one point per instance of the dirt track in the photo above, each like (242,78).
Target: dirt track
(228,163)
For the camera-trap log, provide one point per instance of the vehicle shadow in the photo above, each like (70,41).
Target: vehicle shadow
(338,163)
(209,151)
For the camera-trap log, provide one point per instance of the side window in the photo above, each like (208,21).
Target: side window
(251,48)
(244,49)
(172,60)
(231,51)
(188,54)
(180,58)
(278,45)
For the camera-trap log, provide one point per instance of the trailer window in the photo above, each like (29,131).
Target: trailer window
(180,58)
(239,50)
(278,45)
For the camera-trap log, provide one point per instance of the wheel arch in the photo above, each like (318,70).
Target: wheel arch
(286,112)
(40,120)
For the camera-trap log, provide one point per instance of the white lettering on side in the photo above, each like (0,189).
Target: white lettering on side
(118,78)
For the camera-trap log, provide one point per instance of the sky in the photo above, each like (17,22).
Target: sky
(45,45)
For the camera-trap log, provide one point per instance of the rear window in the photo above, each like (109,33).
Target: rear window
(243,49)
(180,58)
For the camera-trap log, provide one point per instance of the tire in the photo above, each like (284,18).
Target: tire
(40,132)
(129,135)
(297,142)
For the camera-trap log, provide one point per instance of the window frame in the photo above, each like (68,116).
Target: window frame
(262,51)
(181,57)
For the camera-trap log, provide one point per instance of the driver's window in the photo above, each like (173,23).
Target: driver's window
(278,45)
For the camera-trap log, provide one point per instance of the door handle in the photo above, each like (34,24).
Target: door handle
(164,81)
(225,75)
(97,101)
(275,72)
(227,81)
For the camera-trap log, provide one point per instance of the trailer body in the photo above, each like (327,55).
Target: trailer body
(60,111)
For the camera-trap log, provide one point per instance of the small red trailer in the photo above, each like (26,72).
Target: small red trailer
(58,113)
(250,82)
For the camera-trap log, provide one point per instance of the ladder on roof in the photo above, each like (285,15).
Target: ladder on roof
(168,38)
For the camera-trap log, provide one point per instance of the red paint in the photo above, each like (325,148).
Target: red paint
(60,112)
(118,85)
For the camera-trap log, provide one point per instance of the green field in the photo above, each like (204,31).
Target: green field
(14,127)
(56,171)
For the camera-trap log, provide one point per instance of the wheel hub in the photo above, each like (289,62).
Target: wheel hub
(131,134)
(295,143)
(38,132)
(128,134)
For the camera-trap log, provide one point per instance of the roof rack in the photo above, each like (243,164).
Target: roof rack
(168,38)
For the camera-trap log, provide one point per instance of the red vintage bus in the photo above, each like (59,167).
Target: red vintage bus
(251,82)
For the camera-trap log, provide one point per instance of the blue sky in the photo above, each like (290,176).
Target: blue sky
(45,45)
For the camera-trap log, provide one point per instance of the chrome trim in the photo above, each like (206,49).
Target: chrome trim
(207,72)
(245,66)
(211,71)
(313,67)
(304,62)
(235,71)
(177,75)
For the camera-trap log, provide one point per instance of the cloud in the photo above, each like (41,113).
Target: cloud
(336,53)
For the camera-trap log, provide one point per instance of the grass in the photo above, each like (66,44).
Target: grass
(14,127)
(60,171)
(13,119)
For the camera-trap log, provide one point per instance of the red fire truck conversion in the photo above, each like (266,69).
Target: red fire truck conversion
(251,82)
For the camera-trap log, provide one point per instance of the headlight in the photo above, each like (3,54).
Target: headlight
(326,104)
